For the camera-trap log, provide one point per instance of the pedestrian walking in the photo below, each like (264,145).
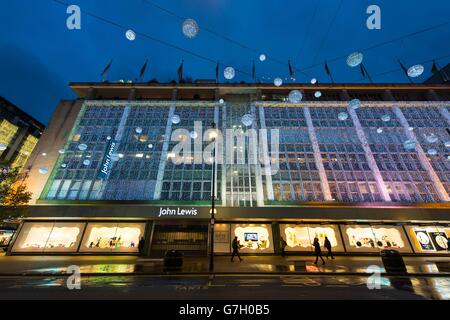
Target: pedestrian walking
(141,245)
(236,246)
(317,251)
(283,245)
(327,245)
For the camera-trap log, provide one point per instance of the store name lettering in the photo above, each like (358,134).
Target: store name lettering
(177,212)
(108,161)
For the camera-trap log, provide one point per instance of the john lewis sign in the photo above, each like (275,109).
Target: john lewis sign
(177,212)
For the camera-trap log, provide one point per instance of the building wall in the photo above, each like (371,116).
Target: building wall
(322,158)
(52,140)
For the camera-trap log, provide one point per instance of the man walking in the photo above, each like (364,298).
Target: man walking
(236,246)
(318,251)
(327,245)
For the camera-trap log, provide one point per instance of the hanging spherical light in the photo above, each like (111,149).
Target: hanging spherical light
(355,59)
(379,130)
(221,101)
(61,151)
(431,138)
(262,57)
(138,130)
(229,73)
(130,34)
(193,134)
(176,119)
(87,162)
(416,71)
(343,116)
(447,144)
(108,138)
(63,165)
(409,145)
(247,120)
(3,147)
(313,81)
(150,146)
(295,96)
(43,170)
(190,28)
(432,152)
(385,118)
(82,147)
(277,82)
(354,104)
(317,94)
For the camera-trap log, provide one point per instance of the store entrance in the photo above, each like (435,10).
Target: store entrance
(191,239)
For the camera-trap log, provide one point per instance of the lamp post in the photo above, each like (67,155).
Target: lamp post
(211,242)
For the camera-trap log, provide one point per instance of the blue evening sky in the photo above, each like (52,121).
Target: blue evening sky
(39,56)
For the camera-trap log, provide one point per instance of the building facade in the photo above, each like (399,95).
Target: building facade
(366,165)
(19,134)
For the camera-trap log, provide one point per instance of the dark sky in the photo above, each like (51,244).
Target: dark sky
(39,56)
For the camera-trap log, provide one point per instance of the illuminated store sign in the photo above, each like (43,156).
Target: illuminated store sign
(361,238)
(177,212)
(107,160)
(429,238)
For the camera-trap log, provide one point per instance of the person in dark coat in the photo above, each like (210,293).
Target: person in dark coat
(317,251)
(141,245)
(283,245)
(327,245)
(236,246)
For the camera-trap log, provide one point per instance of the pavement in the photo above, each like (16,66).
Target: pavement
(35,265)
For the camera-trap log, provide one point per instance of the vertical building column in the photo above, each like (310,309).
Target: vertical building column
(223,182)
(369,156)
(443,195)
(117,138)
(445,113)
(257,166)
(324,185)
(216,121)
(165,148)
(265,155)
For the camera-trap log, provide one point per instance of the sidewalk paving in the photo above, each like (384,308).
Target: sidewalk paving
(35,265)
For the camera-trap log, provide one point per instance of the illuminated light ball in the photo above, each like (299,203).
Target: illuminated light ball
(43,170)
(150,146)
(44,154)
(409,145)
(343,116)
(82,147)
(416,71)
(379,130)
(432,152)
(247,120)
(447,144)
(3,147)
(193,134)
(386,118)
(108,138)
(176,119)
(87,162)
(317,94)
(355,59)
(115,157)
(138,130)
(295,96)
(61,151)
(221,101)
(229,73)
(190,28)
(277,82)
(262,57)
(354,104)
(63,165)
(431,138)
(313,81)
(410,129)
(121,81)
(130,34)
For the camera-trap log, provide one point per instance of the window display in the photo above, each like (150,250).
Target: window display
(112,237)
(5,237)
(301,237)
(222,242)
(366,238)
(429,238)
(49,237)
(254,237)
